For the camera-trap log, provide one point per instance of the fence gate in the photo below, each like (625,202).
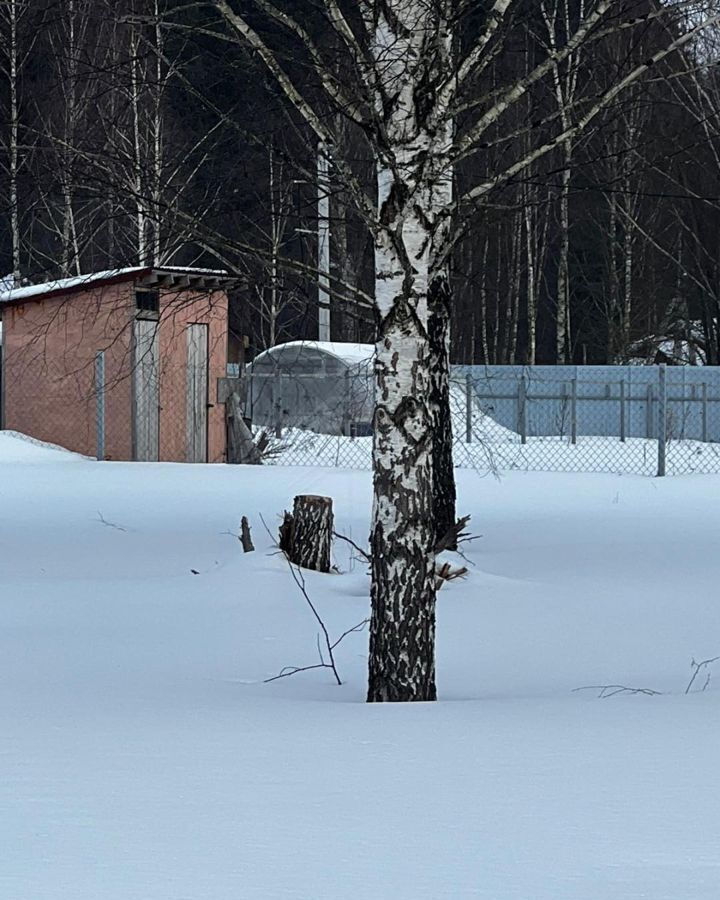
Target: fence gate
(146,406)
(197,393)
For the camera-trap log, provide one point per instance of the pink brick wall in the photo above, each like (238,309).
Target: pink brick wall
(49,366)
(50,348)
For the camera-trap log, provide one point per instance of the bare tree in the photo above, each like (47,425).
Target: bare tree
(15,48)
(561,18)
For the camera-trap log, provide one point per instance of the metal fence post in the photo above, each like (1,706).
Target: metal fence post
(662,418)
(347,428)
(278,403)
(100,405)
(468,408)
(649,413)
(522,409)
(573,411)
(704,395)
(623,426)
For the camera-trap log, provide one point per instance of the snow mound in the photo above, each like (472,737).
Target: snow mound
(298,446)
(21,448)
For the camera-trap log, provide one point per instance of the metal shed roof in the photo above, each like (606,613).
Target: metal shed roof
(161,276)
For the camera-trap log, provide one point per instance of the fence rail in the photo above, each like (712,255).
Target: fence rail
(651,420)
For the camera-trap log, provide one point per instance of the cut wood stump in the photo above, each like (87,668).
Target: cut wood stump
(306,532)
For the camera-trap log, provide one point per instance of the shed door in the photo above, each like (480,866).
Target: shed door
(146,417)
(197,393)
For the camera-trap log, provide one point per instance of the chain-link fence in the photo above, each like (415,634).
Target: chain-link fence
(649,420)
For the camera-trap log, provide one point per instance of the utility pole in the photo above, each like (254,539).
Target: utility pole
(323,241)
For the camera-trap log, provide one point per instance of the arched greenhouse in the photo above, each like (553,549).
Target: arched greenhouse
(320,386)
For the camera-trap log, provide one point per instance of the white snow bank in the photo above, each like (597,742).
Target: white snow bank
(21,448)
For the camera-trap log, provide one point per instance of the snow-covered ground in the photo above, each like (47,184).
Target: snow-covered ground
(142,757)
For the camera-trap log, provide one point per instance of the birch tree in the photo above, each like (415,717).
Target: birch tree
(14,51)
(560,19)
(395,69)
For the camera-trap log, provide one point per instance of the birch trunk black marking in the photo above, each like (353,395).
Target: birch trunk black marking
(306,533)
(444,490)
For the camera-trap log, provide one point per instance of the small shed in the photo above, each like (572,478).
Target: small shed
(321,386)
(125,360)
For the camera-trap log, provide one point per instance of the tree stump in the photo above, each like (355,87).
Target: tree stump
(306,533)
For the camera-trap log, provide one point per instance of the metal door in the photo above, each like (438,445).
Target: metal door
(146,415)
(197,393)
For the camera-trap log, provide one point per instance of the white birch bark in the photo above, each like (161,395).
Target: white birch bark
(414,190)
(12,15)
(70,249)
(138,161)
(157,137)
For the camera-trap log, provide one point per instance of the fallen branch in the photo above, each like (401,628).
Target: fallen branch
(697,667)
(611,690)
(325,663)
(104,521)
(363,553)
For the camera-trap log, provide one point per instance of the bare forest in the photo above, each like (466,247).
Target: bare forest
(148,130)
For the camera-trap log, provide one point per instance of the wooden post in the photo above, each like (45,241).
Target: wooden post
(245,537)
(278,403)
(100,405)
(662,419)
(306,533)
(469,408)
(241,447)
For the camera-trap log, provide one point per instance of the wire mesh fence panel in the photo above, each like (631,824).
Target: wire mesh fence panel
(693,421)
(635,420)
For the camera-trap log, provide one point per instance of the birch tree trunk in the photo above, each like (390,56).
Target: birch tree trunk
(402,627)
(614,352)
(70,250)
(528,221)
(14,10)
(628,253)
(562,315)
(138,162)
(412,388)
(157,138)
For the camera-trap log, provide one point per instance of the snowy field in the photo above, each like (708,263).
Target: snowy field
(143,758)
